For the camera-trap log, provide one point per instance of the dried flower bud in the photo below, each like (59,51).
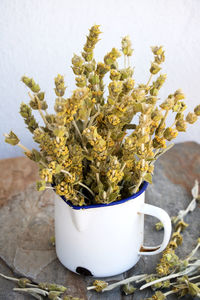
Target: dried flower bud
(41,185)
(60,105)
(159,142)
(167,104)
(179,116)
(92,39)
(52,287)
(53,295)
(34,155)
(181,125)
(197,110)
(191,118)
(111,57)
(128,289)
(159,226)
(102,69)
(146,108)
(126,73)
(41,96)
(173,245)
(113,120)
(115,88)
(159,54)
(158,296)
(160,81)
(138,95)
(94,79)
(35,88)
(89,67)
(160,58)
(25,110)
(155,68)
(154,91)
(100,285)
(78,70)
(161,128)
(193,289)
(170,133)
(151,100)
(81,81)
(179,95)
(87,56)
(177,237)
(157,50)
(60,85)
(77,61)
(179,106)
(126,46)
(156,115)
(129,84)
(22,282)
(36,104)
(114,74)
(81,93)
(182,225)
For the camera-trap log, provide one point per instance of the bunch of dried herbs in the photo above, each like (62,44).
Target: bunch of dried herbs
(86,150)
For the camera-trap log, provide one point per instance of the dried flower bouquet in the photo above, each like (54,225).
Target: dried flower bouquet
(85,151)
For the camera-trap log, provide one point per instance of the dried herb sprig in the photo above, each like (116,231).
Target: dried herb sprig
(44,289)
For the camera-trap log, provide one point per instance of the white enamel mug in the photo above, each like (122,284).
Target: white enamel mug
(105,240)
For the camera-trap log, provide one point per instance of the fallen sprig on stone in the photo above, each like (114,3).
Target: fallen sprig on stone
(44,289)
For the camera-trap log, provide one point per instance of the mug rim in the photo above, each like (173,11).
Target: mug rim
(76,207)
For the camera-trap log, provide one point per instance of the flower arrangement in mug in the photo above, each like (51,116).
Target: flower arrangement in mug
(85,150)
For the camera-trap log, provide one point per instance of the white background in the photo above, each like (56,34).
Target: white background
(39,37)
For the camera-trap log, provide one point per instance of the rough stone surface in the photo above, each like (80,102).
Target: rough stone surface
(26,223)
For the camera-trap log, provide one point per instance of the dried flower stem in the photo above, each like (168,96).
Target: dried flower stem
(77,129)
(86,187)
(194,277)
(148,82)
(193,252)
(87,119)
(116,284)
(135,189)
(92,119)
(24,148)
(169,293)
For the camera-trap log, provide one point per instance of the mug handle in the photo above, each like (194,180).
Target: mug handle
(165,219)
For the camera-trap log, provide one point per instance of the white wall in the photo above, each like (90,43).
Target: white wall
(39,37)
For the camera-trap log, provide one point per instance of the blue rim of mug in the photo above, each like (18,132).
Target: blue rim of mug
(142,189)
